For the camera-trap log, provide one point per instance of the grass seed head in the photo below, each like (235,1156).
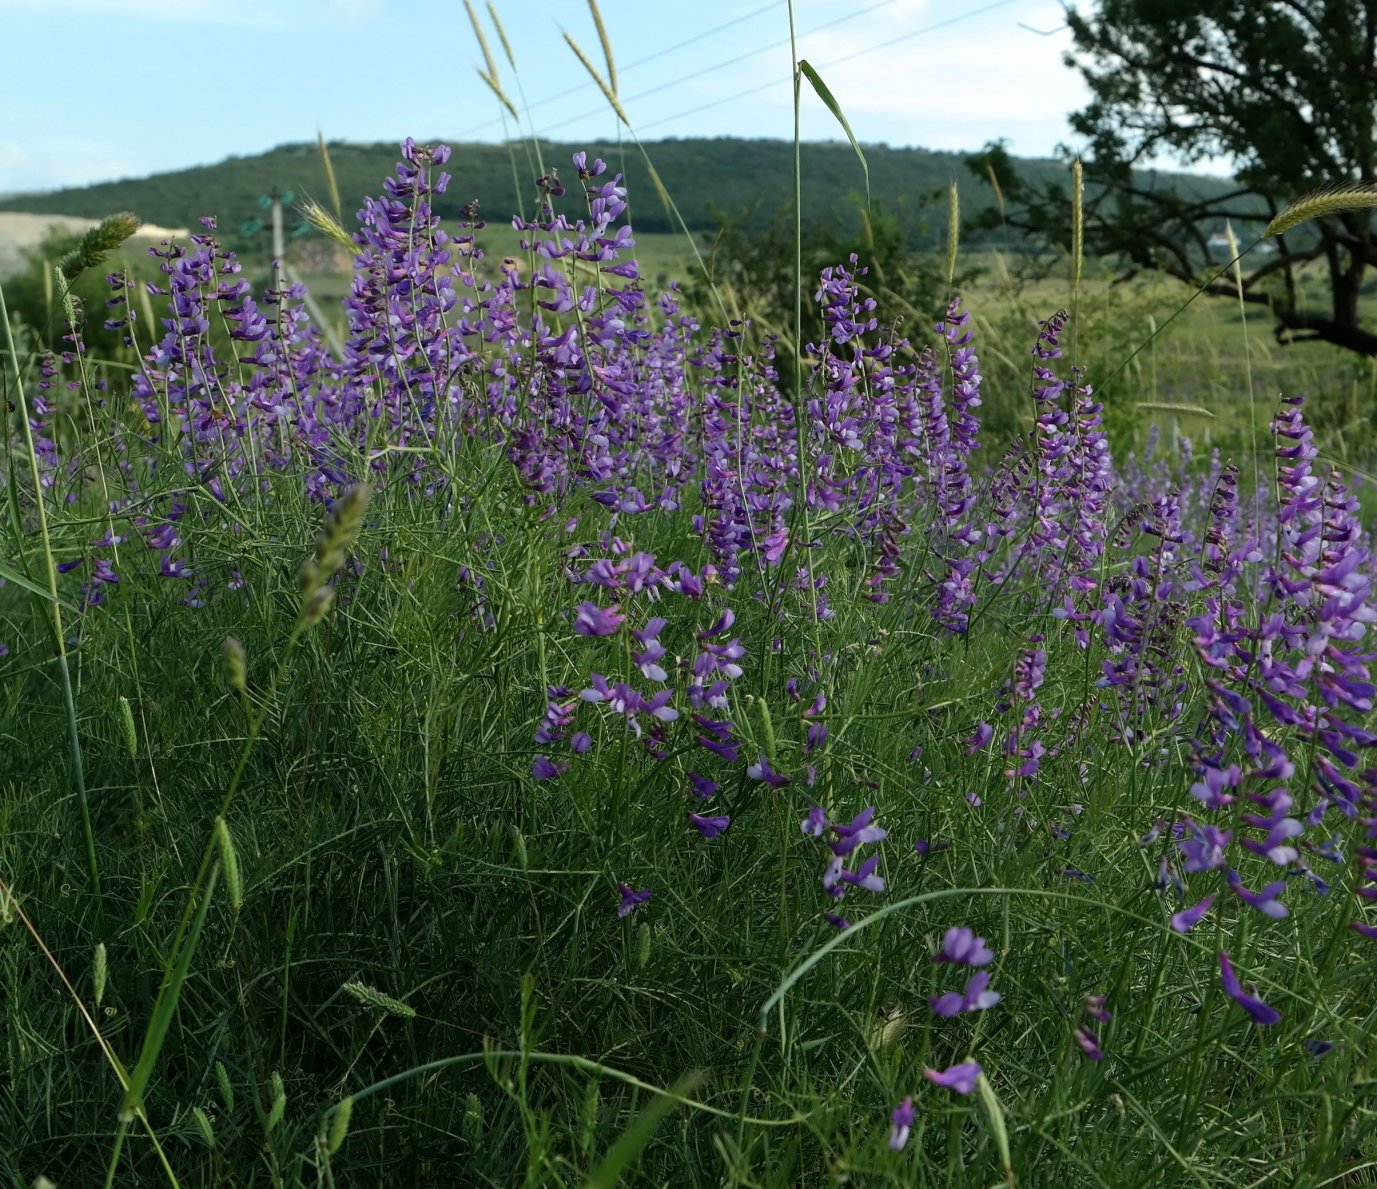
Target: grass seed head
(1330,200)
(97,244)
(339,1125)
(236,664)
(131,736)
(98,974)
(375,998)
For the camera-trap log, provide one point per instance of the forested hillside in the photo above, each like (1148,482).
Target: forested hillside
(743,179)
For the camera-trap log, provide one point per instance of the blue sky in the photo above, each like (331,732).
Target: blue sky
(102,89)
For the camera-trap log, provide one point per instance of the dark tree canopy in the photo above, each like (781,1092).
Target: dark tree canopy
(1286,88)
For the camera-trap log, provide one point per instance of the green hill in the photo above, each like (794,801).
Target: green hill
(750,178)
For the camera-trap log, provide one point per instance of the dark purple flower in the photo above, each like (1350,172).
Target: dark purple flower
(701,786)
(1261,1012)
(580,741)
(709,827)
(962,947)
(1096,1010)
(631,900)
(960,1078)
(901,1120)
(543,769)
(981,738)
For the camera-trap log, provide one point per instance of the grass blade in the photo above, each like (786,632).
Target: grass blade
(633,1140)
(10,574)
(830,102)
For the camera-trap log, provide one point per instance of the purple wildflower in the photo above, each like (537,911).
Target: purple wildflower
(1089,1043)
(592,620)
(543,769)
(631,900)
(857,832)
(901,1120)
(709,827)
(1261,1012)
(960,1078)
(815,822)
(1187,919)
(1096,1010)
(962,947)
(974,998)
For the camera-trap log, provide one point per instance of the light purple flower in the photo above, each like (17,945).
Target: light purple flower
(592,620)
(815,822)
(962,947)
(857,832)
(974,998)
(960,1078)
(1186,920)
(1089,1043)
(901,1121)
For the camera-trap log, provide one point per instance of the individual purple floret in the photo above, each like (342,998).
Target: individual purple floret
(1096,1010)
(962,947)
(815,821)
(974,998)
(631,900)
(960,1078)
(1187,919)
(592,620)
(857,832)
(901,1120)
(709,827)
(1089,1043)
(543,769)
(1261,1012)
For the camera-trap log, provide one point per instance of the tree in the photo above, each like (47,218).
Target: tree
(1287,89)
(753,265)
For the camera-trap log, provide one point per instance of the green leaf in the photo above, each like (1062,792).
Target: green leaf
(10,574)
(829,100)
(608,1174)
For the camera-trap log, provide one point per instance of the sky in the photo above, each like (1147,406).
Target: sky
(96,90)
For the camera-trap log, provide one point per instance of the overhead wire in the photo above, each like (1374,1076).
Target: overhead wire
(638,62)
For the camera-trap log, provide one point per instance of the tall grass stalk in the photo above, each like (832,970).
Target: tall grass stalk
(54,605)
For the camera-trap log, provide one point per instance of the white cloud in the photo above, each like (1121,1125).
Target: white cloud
(949,88)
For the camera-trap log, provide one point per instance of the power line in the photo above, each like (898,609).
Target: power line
(669,49)
(755,53)
(884,45)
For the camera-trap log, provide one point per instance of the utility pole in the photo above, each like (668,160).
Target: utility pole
(279,244)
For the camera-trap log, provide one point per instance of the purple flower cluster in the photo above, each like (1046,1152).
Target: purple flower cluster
(848,839)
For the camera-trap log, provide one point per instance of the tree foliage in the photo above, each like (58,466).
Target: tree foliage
(753,264)
(1284,88)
